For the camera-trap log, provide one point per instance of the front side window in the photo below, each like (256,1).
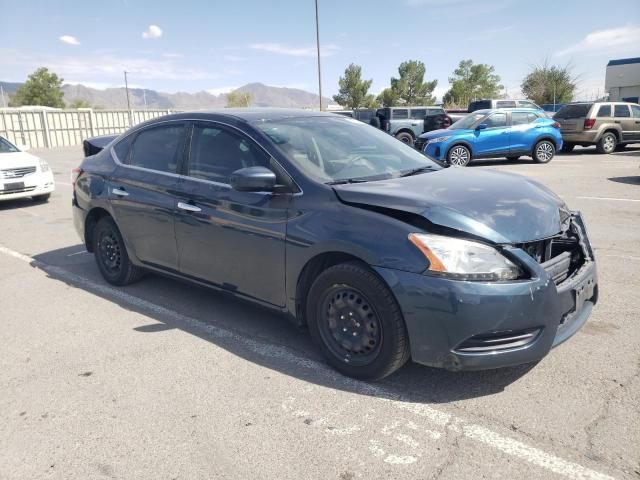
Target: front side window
(158,148)
(496,120)
(217,152)
(604,111)
(333,149)
(467,122)
(621,111)
(400,113)
(635,110)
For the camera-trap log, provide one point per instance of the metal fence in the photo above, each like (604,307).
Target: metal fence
(40,128)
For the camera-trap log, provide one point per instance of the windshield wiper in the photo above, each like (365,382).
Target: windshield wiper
(346,180)
(415,171)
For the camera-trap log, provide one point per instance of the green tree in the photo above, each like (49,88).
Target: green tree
(471,82)
(238,99)
(79,103)
(388,98)
(546,84)
(411,87)
(353,91)
(41,88)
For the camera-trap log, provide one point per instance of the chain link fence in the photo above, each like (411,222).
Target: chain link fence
(43,128)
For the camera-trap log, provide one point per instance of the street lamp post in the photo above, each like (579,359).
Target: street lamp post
(318,48)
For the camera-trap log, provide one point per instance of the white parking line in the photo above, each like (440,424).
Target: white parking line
(479,433)
(611,199)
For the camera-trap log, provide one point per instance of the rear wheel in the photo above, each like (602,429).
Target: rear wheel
(405,137)
(459,155)
(567,147)
(544,151)
(607,143)
(111,254)
(357,323)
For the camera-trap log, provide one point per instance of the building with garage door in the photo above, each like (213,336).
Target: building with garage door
(622,81)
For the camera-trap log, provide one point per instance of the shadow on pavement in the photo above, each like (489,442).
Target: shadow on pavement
(262,336)
(635,180)
(19,203)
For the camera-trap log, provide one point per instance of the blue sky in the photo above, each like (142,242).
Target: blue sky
(218,45)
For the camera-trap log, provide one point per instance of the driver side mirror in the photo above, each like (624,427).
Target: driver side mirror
(482,126)
(253,179)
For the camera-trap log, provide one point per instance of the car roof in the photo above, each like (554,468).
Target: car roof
(247,114)
(513,109)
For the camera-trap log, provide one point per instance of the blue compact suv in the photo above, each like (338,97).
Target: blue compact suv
(509,133)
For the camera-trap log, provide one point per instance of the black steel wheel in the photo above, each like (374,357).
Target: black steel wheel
(111,254)
(356,321)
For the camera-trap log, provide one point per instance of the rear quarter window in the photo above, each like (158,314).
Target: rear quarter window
(505,104)
(122,148)
(604,111)
(479,105)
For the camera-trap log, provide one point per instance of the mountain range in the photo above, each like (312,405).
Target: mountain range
(116,98)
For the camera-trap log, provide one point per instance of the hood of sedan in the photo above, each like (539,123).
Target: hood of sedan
(17,160)
(498,206)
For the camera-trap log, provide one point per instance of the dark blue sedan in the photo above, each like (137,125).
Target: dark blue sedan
(385,255)
(506,132)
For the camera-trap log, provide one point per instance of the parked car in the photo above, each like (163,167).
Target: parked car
(492,104)
(607,125)
(384,255)
(363,114)
(509,133)
(407,123)
(23,175)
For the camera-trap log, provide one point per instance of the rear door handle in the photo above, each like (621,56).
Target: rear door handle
(120,192)
(188,207)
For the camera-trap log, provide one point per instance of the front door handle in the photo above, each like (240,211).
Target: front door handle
(120,192)
(616,121)
(188,207)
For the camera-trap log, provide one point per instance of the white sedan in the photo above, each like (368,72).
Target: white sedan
(23,175)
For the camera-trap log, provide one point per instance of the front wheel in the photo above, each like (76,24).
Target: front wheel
(111,254)
(405,137)
(357,323)
(459,156)
(544,151)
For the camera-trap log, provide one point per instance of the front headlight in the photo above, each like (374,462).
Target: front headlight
(464,259)
(44,166)
(438,140)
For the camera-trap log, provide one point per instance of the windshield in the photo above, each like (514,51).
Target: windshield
(7,147)
(576,110)
(334,149)
(467,122)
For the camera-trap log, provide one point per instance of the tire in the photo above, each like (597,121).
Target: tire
(513,158)
(459,156)
(607,143)
(349,300)
(111,254)
(567,147)
(543,151)
(41,198)
(405,137)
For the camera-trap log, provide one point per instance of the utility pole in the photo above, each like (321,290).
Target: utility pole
(126,86)
(318,48)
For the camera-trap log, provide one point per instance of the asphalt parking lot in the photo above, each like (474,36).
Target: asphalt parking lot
(165,380)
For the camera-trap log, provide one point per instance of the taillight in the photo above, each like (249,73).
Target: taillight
(75,173)
(589,123)
(555,125)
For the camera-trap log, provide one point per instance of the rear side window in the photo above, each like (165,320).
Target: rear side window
(434,111)
(496,120)
(479,105)
(216,153)
(576,110)
(505,104)
(123,147)
(400,114)
(621,111)
(522,118)
(635,110)
(418,113)
(604,111)
(158,148)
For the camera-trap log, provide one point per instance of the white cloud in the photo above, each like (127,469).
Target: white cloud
(306,51)
(172,55)
(69,40)
(220,90)
(621,39)
(153,31)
